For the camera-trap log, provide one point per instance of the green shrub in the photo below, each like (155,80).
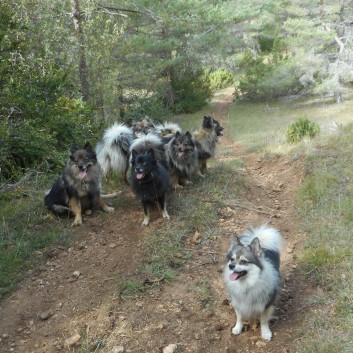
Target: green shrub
(191,89)
(220,79)
(152,106)
(269,74)
(300,129)
(255,70)
(40,119)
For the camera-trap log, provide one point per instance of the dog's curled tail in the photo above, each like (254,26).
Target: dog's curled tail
(270,238)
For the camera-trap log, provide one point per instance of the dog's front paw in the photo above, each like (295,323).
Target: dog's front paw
(76,222)
(145,222)
(177,186)
(109,209)
(266,334)
(166,215)
(236,330)
(188,182)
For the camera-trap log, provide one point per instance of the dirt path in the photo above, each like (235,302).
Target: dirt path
(74,291)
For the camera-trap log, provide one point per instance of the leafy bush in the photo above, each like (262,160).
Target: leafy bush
(151,106)
(220,79)
(268,75)
(301,128)
(191,89)
(255,70)
(39,122)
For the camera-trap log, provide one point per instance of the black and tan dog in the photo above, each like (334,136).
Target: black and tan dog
(78,189)
(206,139)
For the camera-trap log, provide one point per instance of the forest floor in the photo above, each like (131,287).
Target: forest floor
(74,291)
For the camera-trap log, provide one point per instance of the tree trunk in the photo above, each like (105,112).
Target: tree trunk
(82,65)
(167,72)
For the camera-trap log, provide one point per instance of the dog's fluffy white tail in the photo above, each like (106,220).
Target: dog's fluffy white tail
(269,237)
(113,148)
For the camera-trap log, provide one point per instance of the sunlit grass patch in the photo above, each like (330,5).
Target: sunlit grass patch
(326,208)
(323,255)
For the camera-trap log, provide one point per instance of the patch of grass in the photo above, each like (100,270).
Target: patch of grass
(262,126)
(203,290)
(327,346)
(325,208)
(131,288)
(323,255)
(25,230)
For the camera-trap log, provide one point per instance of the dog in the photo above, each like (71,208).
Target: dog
(150,182)
(252,276)
(78,188)
(181,159)
(143,127)
(113,149)
(206,139)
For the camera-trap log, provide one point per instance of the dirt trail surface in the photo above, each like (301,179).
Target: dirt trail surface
(75,291)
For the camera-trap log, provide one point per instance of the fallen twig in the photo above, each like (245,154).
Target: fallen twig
(247,208)
(8,187)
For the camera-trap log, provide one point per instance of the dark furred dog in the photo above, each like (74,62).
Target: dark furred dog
(206,139)
(149,181)
(78,188)
(181,159)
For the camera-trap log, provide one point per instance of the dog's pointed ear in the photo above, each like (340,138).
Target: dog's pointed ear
(74,148)
(177,134)
(188,134)
(150,152)
(235,241)
(133,153)
(207,121)
(256,247)
(88,147)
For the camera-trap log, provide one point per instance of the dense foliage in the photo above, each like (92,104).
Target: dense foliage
(220,78)
(69,68)
(41,114)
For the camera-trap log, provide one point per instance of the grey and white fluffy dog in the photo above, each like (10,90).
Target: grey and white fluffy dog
(113,149)
(252,276)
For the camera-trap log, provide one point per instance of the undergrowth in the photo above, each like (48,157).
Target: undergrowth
(27,232)
(326,208)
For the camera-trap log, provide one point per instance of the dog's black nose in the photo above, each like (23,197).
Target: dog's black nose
(231,266)
(81,166)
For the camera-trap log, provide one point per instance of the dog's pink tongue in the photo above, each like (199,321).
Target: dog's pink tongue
(139,175)
(82,174)
(234,276)
(180,154)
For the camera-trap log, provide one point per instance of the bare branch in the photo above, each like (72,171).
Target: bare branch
(340,43)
